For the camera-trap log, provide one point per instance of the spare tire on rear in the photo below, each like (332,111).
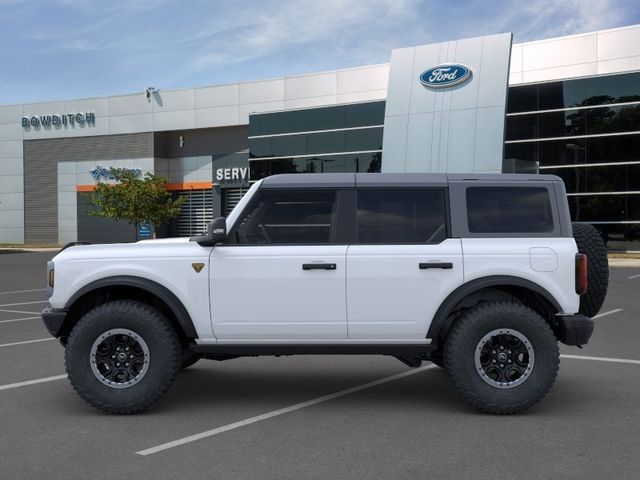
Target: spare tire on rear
(590,243)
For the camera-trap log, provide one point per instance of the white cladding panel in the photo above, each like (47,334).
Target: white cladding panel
(435,130)
(597,53)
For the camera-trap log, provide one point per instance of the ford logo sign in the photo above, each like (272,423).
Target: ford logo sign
(443,76)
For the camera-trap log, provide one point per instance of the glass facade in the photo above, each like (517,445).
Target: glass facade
(344,138)
(586,131)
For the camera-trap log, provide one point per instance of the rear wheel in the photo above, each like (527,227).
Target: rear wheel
(122,356)
(502,357)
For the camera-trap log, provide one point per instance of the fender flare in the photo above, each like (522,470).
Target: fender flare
(150,286)
(441,319)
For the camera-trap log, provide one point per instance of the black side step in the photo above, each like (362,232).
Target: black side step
(397,350)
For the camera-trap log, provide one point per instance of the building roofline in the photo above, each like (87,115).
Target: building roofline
(577,35)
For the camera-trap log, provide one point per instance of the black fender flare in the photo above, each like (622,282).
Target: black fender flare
(442,322)
(150,286)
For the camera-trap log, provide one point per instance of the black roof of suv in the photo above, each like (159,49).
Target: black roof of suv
(345,180)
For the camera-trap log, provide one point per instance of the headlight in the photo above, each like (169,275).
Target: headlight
(50,278)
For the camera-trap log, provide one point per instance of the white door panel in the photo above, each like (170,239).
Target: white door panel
(390,296)
(261,292)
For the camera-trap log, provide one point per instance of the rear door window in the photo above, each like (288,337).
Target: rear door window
(509,210)
(397,216)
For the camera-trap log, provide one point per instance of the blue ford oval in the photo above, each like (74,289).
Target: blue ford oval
(442,76)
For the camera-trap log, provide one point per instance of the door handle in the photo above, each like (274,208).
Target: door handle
(318,266)
(442,265)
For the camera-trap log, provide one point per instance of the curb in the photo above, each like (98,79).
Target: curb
(624,262)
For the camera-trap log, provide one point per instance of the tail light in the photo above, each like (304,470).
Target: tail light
(50,278)
(582,261)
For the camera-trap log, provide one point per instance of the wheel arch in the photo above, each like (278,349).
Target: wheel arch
(129,287)
(491,288)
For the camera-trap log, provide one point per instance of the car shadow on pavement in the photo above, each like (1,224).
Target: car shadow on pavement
(202,388)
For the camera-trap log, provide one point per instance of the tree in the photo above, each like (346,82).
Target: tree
(136,200)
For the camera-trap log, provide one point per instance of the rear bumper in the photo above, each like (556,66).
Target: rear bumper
(53,319)
(574,329)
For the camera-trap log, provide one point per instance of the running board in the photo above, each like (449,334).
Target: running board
(252,350)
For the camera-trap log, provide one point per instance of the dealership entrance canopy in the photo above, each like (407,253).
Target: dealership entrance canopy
(568,106)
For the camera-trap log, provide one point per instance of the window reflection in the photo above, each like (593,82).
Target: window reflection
(509,210)
(592,121)
(619,148)
(316,143)
(324,118)
(350,162)
(288,217)
(601,90)
(605,208)
(401,216)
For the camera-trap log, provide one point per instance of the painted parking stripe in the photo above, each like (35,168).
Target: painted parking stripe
(31,382)
(19,319)
(602,359)
(610,312)
(281,411)
(25,291)
(23,303)
(48,339)
(635,276)
(4,310)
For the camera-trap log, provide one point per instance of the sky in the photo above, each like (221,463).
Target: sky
(68,49)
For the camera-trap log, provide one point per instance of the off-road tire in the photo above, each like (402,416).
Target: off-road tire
(590,243)
(165,355)
(463,339)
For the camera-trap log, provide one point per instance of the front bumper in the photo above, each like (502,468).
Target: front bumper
(53,319)
(574,329)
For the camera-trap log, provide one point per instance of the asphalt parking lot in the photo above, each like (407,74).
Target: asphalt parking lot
(316,417)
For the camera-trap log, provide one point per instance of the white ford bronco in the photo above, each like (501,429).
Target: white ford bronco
(480,274)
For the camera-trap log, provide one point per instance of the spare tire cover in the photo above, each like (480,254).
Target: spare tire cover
(590,243)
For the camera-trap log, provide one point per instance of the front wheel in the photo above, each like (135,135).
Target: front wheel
(123,356)
(502,357)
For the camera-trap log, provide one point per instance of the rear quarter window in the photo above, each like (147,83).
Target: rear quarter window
(498,209)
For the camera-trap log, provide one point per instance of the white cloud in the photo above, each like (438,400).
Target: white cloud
(335,26)
(539,19)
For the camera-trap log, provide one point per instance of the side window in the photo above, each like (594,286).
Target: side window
(509,210)
(288,217)
(407,215)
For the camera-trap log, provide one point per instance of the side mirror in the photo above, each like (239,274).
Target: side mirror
(216,233)
(217,230)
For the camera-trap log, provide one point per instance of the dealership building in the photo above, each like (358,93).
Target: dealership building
(569,106)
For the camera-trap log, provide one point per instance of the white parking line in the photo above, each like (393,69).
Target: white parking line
(281,411)
(27,341)
(635,276)
(4,310)
(18,319)
(602,359)
(610,312)
(25,291)
(23,303)
(31,382)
